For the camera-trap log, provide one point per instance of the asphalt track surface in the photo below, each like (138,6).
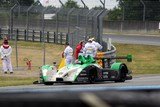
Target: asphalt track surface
(137,83)
(134,39)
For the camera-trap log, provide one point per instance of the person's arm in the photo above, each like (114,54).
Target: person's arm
(84,50)
(65,52)
(2,54)
(99,46)
(9,51)
(94,50)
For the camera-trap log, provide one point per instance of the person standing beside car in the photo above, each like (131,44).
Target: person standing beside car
(68,54)
(79,49)
(6,51)
(89,49)
(96,44)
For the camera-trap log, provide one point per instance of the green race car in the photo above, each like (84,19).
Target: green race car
(87,70)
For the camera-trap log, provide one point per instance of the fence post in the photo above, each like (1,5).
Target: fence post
(25,34)
(0,33)
(17,33)
(54,39)
(40,34)
(67,38)
(47,37)
(61,38)
(33,35)
(9,33)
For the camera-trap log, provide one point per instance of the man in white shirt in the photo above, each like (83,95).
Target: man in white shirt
(68,54)
(6,51)
(89,49)
(97,45)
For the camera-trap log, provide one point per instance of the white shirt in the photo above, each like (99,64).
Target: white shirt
(90,49)
(97,45)
(5,53)
(68,52)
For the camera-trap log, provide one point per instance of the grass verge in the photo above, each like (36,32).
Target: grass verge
(146,59)
(15,81)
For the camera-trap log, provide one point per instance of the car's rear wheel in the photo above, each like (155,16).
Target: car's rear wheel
(122,73)
(92,75)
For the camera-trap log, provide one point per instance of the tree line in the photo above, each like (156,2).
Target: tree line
(147,10)
(126,9)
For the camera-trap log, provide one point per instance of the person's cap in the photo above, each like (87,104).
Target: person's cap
(92,39)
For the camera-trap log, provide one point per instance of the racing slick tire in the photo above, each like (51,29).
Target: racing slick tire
(48,83)
(92,75)
(122,73)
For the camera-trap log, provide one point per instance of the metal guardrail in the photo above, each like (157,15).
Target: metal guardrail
(34,36)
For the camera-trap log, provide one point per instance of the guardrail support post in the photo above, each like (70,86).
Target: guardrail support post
(61,38)
(0,33)
(25,35)
(47,37)
(67,37)
(33,35)
(40,36)
(17,33)
(54,39)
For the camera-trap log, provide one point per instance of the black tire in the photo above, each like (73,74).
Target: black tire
(92,76)
(122,73)
(92,79)
(48,83)
(35,82)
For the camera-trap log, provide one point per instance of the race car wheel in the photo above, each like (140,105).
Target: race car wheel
(122,73)
(48,83)
(92,75)
(92,79)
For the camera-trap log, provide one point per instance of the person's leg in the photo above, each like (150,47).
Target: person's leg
(4,63)
(69,60)
(9,65)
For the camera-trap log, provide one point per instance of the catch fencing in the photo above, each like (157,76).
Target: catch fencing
(77,24)
(52,25)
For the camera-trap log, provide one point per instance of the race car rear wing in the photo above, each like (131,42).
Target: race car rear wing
(108,59)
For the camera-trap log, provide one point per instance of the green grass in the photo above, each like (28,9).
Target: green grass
(15,81)
(146,60)
(34,52)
